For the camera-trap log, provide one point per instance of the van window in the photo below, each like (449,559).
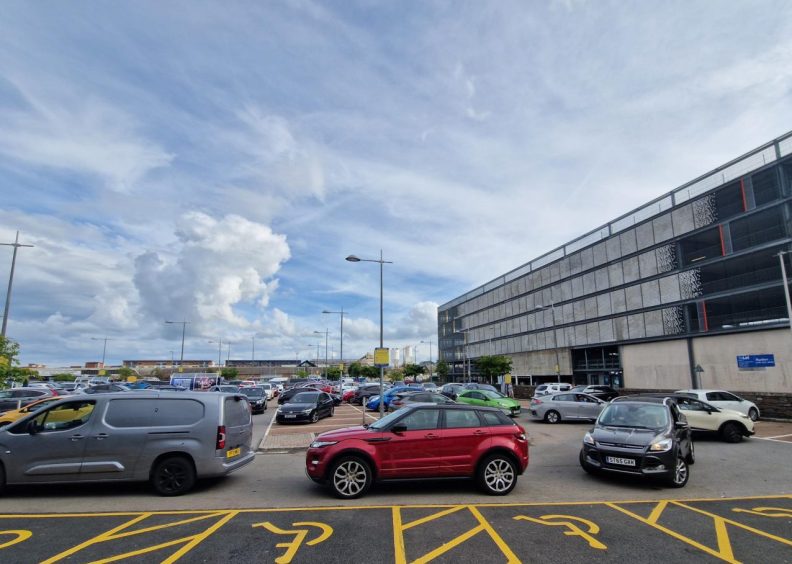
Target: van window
(237,413)
(124,413)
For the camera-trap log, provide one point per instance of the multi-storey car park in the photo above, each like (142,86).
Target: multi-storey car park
(667,296)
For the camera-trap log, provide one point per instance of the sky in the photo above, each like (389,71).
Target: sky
(215,162)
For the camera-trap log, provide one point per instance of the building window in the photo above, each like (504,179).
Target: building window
(756,229)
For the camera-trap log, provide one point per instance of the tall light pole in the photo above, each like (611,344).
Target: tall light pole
(326,333)
(184,330)
(219,350)
(431,366)
(786,285)
(555,340)
(104,348)
(341,352)
(353,258)
(16,244)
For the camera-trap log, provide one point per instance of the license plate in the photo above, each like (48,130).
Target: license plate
(622,461)
(290,416)
(232,452)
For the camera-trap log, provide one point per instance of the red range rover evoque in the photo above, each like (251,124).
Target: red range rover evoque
(422,441)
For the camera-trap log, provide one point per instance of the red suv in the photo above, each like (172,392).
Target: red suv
(422,441)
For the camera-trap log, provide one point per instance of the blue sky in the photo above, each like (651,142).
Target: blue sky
(216,161)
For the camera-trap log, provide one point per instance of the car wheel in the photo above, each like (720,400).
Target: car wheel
(2,478)
(332,411)
(753,413)
(680,475)
(314,416)
(552,417)
(174,475)
(730,433)
(497,475)
(350,477)
(691,457)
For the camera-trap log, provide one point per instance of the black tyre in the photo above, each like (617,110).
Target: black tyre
(174,475)
(730,432)
(2,479)
(679,477)
(314,416)
(585,465)
(753,413)
(497,475)
(350,477)
(552,417)
(332,411)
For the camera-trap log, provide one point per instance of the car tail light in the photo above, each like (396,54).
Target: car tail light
(221,437)
(536,401)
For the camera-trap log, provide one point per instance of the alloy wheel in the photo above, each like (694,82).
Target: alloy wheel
(350,478)
(499,475)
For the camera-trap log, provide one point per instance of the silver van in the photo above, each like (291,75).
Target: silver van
(169,439)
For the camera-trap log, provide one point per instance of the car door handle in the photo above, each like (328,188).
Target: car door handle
(75,438)
(101,436)
(479,433)
(431,436)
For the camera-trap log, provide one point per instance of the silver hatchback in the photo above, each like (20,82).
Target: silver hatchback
(566,406)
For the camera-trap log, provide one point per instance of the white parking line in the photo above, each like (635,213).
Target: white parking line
(775,439)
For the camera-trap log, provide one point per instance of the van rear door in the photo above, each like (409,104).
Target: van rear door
(236,428)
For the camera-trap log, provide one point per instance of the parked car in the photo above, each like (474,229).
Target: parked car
(725,400)
(568,406)
(20,397)
(225,388)
(105,388)
(247,384)
(257,398)
(452,389)
(9,417)
(306,406)
(490,399)
(373,403)
(365,391)
(477,442)
(546,389)
(479,386)
(268,389)
(643,437)
(430,387)
(348,396)
(605,393)
(404,399)
(731,426)
(169,440)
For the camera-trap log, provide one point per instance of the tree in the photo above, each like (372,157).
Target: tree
(396,375)
(411,370)
(369,371)
(9,350)
(333,372)
(490,367)
(302,373)
(355,370)
(229,373)
(442,370)
(125,372)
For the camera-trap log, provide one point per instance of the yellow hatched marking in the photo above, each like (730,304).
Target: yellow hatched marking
(766,511)
(748,528)
(654,516)
(189,541)
(484,526)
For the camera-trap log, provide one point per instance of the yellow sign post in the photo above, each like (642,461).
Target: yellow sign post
(381,356)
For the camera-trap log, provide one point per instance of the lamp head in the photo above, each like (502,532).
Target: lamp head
(353,258)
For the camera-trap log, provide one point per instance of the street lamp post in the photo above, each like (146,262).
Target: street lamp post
(184,330)
(341,352)
(219,351)
(353,258)
(555,340)
(431,366)
(786,285)
(16,244)
(326,333)
(104,347)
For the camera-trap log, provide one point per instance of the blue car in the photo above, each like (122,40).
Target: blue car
(373,403)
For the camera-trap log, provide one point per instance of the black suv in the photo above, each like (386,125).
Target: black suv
(605,393)
(365,391)
(640,436)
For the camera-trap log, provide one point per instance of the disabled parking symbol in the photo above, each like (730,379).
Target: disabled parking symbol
(300,535)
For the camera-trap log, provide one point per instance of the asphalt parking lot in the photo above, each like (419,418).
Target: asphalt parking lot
(737,506)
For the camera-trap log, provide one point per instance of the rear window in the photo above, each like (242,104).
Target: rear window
(124,413)
(456,418)
(493,418)
(237,413)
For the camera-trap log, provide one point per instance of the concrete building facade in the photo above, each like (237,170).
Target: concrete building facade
(684,291)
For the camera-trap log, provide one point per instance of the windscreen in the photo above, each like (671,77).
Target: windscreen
(305,397)
(649,416)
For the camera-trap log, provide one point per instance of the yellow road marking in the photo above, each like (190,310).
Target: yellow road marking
(21,536)
(725,521)
(299,536)
(398,537)
(766,511)
(95,540)
(569,522)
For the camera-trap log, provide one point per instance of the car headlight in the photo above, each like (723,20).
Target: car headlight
(309,410)
(661,445)
(320,444)
(588,439)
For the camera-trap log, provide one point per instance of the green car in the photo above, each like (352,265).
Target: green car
(490,399)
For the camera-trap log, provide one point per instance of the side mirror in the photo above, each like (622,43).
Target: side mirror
(399,428)
(680,425)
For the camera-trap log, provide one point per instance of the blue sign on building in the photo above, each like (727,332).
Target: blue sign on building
(755,360)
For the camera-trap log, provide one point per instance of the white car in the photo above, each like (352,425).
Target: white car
(547,389)
(725,400)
